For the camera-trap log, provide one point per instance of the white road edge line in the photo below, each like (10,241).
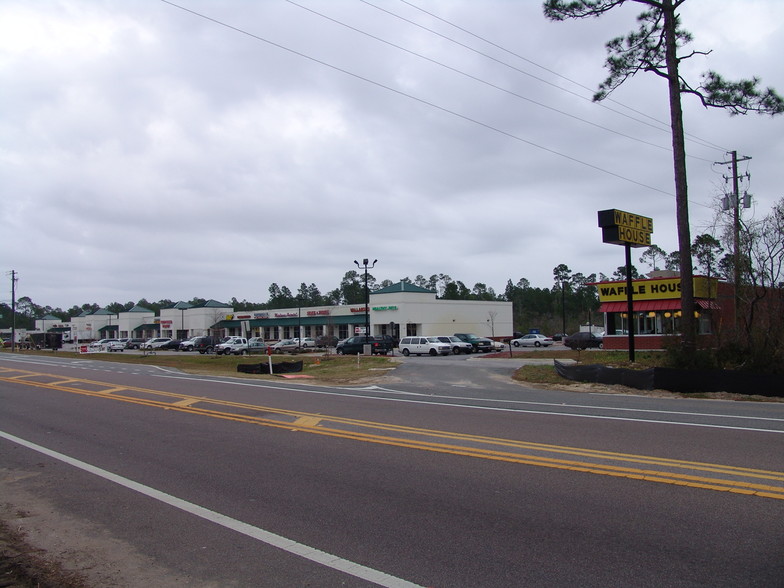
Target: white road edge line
(288,545)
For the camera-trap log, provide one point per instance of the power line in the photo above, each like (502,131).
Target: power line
(662,126)
(417,99)
(477,79)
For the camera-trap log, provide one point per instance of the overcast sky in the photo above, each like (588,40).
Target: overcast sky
(210,148)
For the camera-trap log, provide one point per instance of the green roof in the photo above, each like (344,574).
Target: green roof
(294,321)
(212,304)
(403,287)
(137,308)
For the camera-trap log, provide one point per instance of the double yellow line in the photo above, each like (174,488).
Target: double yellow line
(763,483)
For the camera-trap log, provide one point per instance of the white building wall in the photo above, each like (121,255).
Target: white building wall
(128,321)
(199,320)
(441,317)
(87,328)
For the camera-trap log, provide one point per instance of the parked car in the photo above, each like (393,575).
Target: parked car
(188,344)
(285,345)
(458,345)
(205,344)
(583,340)
(532,340)
(155,342)
(105,344)
(306,342)
(134,343)
(559,336)
(257,345)
(426,345)
(326,341)
(171,345)
(482,344)
(354,345)
(118,345)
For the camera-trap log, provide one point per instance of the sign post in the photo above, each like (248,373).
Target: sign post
(630,230)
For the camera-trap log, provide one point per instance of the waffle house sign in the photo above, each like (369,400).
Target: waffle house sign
(625,228)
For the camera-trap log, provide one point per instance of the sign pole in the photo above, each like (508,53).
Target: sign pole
(630,300)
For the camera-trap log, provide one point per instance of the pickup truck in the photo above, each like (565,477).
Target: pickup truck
(354,345)
(479,343)
(235,345)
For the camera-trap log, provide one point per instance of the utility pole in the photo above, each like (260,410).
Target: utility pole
(13,310)
(735,204)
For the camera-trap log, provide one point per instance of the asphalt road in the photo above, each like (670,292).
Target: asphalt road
(444,474)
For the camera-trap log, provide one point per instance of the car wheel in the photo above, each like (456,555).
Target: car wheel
(516,343)
(456,350)
(406,352)
(209,351)
(433,352)
(601,345)
(339,351)
(537,344)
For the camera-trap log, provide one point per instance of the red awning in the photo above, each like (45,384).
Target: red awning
(653,305)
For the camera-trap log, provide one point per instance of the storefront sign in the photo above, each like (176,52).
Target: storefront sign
(286,315)
(318,312)
(260,315)
(385,308)
(621,228)
(358,309)
(662,289)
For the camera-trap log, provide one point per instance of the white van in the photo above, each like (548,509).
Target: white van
(420,345)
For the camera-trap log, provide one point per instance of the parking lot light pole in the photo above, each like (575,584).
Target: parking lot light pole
(367,293)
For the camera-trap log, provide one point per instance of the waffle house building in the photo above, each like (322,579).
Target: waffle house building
(656,309)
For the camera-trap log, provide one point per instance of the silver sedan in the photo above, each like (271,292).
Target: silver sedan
(532,340)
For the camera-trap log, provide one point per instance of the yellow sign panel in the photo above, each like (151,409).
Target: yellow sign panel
(626,235)
(625,228)
(662,289)
(633,221)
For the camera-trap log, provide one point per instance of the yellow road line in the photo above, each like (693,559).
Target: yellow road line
(307,422)
(482,447)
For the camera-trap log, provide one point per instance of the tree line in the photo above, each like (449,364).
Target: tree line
(751,251)
(569,302)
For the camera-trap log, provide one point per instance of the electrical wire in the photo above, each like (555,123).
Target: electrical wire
(417,99)
(661,125)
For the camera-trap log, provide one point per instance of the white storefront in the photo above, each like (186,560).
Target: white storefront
(399,310)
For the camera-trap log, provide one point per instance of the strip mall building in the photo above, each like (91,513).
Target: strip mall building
(400,310)
(656,309)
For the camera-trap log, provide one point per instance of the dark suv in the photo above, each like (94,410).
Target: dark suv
(205,344)
(583,340)
(354,345)
(482,344)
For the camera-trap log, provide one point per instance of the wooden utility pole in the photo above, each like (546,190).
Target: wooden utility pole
(735,203)
(13,310)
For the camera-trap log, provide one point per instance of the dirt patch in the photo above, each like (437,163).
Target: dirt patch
(42,548)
